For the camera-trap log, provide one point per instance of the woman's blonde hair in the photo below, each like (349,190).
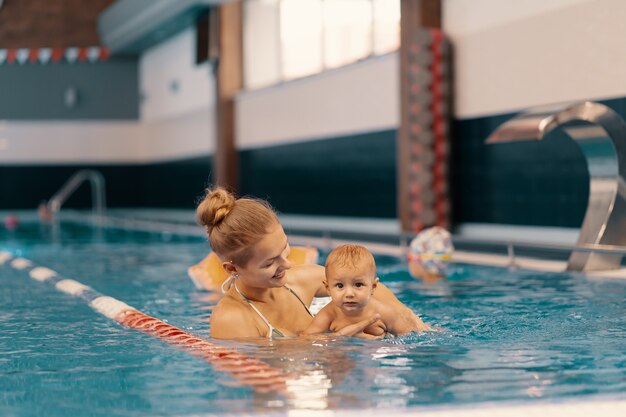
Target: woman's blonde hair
(234,225)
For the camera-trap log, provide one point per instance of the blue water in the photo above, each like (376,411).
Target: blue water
(507,335)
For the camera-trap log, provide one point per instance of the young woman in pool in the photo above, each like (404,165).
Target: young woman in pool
(266,297)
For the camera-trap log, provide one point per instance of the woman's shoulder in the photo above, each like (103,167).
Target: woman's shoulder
(231,305)
(307,280)
(227,309)
(306,277)
(305,273)
(231,319)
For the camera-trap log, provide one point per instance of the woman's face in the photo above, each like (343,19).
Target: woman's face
(268,264)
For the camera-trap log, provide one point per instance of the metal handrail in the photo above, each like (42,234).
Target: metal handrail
(511,246)
(98,196)
(327,238)
(599,248)
(403,239)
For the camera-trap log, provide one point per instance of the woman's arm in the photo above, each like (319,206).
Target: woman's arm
(403,316)
(399,321)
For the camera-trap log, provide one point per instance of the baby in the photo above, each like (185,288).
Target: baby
(350,281)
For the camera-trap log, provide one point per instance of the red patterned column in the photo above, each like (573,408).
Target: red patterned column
(426,130)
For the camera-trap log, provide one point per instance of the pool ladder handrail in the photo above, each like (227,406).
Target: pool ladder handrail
(601,135)
(515,246)
(98,195)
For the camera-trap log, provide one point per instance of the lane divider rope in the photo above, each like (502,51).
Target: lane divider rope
(243,368)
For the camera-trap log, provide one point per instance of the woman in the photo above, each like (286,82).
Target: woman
(266,296)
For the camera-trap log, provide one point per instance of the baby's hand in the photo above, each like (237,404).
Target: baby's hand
(364,335)
(377,329)
(354,329)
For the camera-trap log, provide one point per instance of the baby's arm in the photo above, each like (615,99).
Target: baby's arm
(357,329)
(321,322)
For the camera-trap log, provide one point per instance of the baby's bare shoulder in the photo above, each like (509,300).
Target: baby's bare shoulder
(329,311)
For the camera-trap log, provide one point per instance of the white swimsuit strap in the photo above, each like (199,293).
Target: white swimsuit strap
(256,309)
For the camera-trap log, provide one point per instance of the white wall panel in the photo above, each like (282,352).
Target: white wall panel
(511,55)
(189,135)
(69,142)
(463,17)
(362,97)
(170,81)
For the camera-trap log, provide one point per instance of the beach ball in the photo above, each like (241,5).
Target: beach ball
(430,252)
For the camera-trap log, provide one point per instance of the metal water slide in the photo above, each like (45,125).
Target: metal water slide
(601,135)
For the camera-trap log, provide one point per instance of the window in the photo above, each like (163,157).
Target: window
(261,43)
(301,37)
(347,31)
(386,26)
(287,39)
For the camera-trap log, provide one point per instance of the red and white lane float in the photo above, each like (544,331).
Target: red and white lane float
(244,369)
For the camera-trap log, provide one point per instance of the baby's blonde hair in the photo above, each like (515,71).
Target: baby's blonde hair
(234,225)
(350,255)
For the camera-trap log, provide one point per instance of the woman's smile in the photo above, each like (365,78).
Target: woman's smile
(279,275)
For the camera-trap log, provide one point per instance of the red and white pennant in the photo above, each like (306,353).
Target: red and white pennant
(44,56)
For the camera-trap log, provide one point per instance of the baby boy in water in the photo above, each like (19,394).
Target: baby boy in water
(350,281)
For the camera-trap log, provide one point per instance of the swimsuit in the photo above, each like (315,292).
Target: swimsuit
(273,332)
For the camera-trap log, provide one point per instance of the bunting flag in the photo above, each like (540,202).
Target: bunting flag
(22,55)
(71,55)
(43,56)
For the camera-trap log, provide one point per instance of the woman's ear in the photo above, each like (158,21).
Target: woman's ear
(229,267)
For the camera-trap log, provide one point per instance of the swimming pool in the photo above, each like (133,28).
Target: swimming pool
(508,336)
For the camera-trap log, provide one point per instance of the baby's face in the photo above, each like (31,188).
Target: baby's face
(350,288)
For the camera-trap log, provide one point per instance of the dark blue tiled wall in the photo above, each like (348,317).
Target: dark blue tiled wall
(170,184)
(344,176)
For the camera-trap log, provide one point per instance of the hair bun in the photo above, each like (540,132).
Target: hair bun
(214,208)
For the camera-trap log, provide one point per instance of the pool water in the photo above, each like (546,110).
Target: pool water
(507,335)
